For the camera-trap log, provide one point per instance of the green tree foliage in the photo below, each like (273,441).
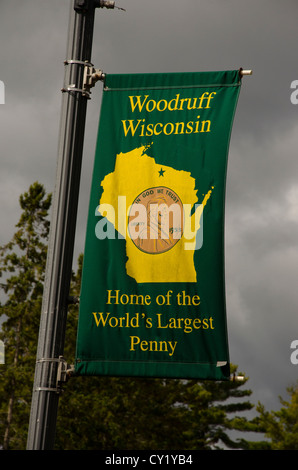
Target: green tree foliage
(22,262)
(109,413)
(281,427)
(98,413)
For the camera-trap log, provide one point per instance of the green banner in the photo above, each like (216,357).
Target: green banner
(153,292)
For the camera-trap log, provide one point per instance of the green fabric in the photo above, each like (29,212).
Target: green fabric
(158,309)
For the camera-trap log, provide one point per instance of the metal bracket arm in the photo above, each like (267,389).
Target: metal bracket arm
(64,372)
(237,378)
(244,72)
(81,6)
(90,77)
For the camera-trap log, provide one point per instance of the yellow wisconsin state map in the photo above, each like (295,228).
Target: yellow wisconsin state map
(152,206)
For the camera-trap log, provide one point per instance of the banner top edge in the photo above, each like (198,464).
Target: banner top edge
(172,80)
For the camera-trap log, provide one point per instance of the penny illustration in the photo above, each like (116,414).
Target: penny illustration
(155,221)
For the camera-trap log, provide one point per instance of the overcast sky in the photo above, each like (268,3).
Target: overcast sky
(262,183)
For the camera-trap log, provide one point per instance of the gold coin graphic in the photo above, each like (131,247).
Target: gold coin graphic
(155,221)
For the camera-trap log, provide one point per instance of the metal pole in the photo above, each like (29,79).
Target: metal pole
(45,395)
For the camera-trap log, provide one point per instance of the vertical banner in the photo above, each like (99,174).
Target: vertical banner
(153,292)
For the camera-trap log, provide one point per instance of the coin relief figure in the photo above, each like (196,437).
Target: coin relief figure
(156,217)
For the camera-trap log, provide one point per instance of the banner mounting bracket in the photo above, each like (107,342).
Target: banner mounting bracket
(90,77)
(64,372)
(82,6)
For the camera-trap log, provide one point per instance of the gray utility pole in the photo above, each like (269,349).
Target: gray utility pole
(50,366)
